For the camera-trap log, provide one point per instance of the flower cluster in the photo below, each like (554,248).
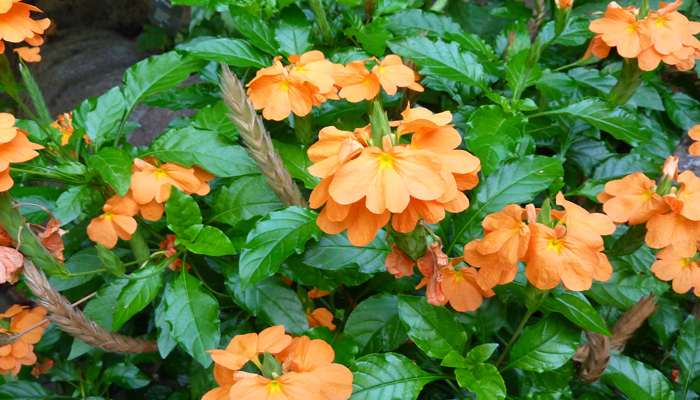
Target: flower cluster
(664,35)
(151,183)
(672,217)
(364,183)
(14,148)
(568,250)
(21,352)
(17,26)
(293,369)
(311,79)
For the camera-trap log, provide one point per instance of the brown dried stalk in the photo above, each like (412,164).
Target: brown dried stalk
(535,23)
(595,355)
(72,320)
(257,140)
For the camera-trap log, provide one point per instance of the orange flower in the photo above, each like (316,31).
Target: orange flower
(357,82)
(620,28)
(117,221)
(5,238)
(6,181)
(632,199)
(392,73)
(150,182)
(7,127)
(64,124)
(564,3)
(689,195)
(673,229)
(694,134)
(597,47)
(19,149)
(320,317)
(51,239)
(153,210)
(170,250)
(290,386)
(204,177)
(315,293)
(552,259)
(493,269)
(244,348)
(11,261)
(21,352)
(684,273)
(278,93)
(430,265)
(313,67)
(42,367)
(461,290)
(584,226)
(17,26)
(399,264)
(28,54)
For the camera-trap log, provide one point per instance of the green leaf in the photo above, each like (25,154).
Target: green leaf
(136,295)
(166,342)
(683,110)
(293,32)
(636,380)
(517,74)
(235,52)
(70,204)
(493,136)
(210,241)
(615,120)
(109,261)
(513,183)
(576,307)
(486,320)
(375,324)
(335,252)
(388,376)
(244,198)
(619,166)
(85,260)
(666,321)
(434,329)
(181,212)
(296,159)
(126,375)
(372,37)
(546,345)
(294,269)
(625,288)
(389,6)
(157,74)
(481,353)
(193,314)
(440,58)
(575,33)
(259,32)
(25,390)
(689,352)
(483,380)
(42,195)
(97,117)
(208,149)
(215,118)
(274,238)
(270,299)
(114,166)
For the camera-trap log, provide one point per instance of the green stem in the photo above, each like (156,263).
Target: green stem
(65,153)
(304,129)
(97,271)
(150,230)
(24,171)
(320,13)
(527,316)
(121,127)
(204,283)
(630,79)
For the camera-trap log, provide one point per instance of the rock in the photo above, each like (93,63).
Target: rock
(685,160)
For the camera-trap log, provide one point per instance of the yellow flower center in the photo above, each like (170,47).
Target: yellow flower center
(647,195)
(632,28)
(367,81)
(459,277)
(300,69)
(160,173)
(685,262)
(555,245)
(275,387)
(382,70)
(386,160)
(109,215)
(660,22)
(284,85)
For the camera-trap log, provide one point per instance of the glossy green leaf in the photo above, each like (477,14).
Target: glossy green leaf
(293,32)
(85,260)
(235,52)
(70,204)
(271,299)
(210,241)
(136,295)
(577,309)
(546,345)
(25,390)
(440,58)
(114,166)
(109,261)
(181,212)
(434,329)
(619,166)
(335,252)
(484,380)
(388,376)
(244,198)
(98,117)
(481,353)
(166,342)
(274,238)
(486,320)
(683,110)
(666,321)
(625,288)
(259,32)
(193,314)
(296,159)
(689,353)
(518,75)
(375,324)
(637,380)
(373,36)
(126,375)
(493,136)
(208,149)
(157,74)
(383,7)
(513,183)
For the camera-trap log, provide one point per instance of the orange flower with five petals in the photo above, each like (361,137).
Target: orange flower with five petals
(150,182)
(17,26)
(116,222)
(244,348)
(320,317)
(632,199)
(461,289)
(684,273)
(21,352)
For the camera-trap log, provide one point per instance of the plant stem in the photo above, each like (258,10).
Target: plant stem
(97,271)
(320,13)
(150,230)
(45,131)
(304,129)
(527,316)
